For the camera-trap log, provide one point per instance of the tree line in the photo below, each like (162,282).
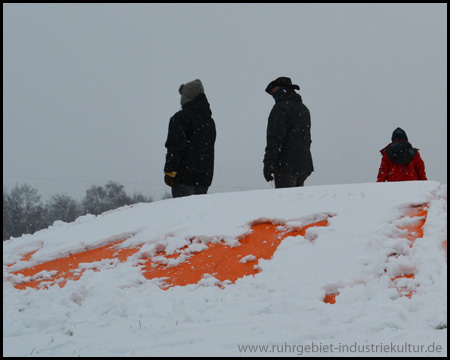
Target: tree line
(25,213)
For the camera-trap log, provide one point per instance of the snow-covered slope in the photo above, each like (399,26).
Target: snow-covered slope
(114,309)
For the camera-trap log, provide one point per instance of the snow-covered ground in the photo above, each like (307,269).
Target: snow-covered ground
(278,312)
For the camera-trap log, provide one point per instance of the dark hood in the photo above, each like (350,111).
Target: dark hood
(199,105)
(399,134)
(400,152)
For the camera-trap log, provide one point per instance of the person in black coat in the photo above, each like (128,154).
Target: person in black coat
(287,158)
(189,165)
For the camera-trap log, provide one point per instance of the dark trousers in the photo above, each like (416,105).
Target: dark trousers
(179,190)
(287,180)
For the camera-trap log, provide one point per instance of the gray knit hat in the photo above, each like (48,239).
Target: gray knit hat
(190,91)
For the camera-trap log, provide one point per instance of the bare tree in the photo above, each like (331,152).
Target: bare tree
(99,199)
(62,207)
(25,213)
(95,201)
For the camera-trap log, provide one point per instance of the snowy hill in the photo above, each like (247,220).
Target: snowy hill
(339,270)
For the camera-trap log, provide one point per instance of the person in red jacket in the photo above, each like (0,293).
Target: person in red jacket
(400,161)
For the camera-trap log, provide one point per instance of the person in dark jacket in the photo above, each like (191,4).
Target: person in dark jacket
(400,161)
(287,158)
(189,165)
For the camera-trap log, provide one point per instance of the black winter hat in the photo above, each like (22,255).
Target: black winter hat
(399,134)
(281,81)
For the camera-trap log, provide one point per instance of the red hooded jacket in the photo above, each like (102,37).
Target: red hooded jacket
(401,162)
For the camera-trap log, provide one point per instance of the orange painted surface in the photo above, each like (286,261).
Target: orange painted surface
(403,291)
(408,276)
(223,261)
(415,231)
(66,267)
(330,298)
(219,260)
(27,256)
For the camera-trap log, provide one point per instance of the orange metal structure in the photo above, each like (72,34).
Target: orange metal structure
(219,260)
(415,231)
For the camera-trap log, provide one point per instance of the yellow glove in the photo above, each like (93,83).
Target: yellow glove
(169,178)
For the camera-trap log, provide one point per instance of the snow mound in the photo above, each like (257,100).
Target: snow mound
(341,270)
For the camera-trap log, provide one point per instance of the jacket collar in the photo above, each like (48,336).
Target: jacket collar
(286,94)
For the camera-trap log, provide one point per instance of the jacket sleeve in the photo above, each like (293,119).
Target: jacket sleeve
(176,142)
(383,171)
(420,167)
(276,133)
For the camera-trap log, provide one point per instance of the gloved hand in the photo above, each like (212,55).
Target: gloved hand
(169,178)
(268,173)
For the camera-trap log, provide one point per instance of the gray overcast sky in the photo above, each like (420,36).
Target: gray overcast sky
(88,89)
